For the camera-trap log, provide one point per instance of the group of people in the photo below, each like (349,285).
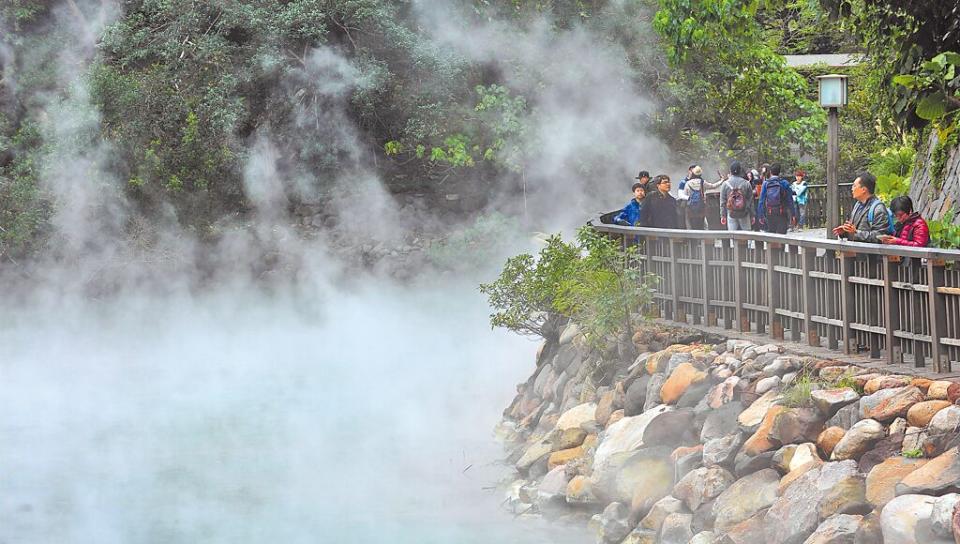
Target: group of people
(763,200)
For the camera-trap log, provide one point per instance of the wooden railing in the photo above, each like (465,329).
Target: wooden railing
(898,304)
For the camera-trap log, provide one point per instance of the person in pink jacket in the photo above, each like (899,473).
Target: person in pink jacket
(911,229)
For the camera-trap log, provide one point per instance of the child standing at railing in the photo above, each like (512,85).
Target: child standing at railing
(799,187)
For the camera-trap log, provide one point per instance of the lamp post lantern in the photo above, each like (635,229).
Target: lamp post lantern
(833,95)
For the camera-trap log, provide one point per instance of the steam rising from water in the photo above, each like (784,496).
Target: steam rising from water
(241,417)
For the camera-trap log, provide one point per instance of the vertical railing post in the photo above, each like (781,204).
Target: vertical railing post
(938,313)
(872,305)
(677,315)
(891,309)
(740,283)
(774,327)
(809,296)
(847,300)
(709,317)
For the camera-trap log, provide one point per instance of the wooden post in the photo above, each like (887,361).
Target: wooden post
(740,284)
(873,305)
(709,316)
(809,297)
(847,301)
(938,313)
(891,309)
(833,158)
(676,313)
(773,300)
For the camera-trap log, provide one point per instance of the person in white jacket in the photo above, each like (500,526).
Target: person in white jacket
(694,192)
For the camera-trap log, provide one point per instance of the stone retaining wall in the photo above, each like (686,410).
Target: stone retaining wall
(733,443)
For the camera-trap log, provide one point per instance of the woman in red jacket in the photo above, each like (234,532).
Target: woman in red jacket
(911,228)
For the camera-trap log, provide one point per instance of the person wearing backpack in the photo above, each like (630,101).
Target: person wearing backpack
(776,210)
(911,229)
(870,218)
(736,200)
(694,193)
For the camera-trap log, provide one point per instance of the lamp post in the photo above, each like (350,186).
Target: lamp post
(833,95)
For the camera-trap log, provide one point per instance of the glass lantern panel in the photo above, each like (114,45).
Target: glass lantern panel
(831,92)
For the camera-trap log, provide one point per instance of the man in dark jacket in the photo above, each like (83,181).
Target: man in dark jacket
(869,218)
(660,208)
(776,210)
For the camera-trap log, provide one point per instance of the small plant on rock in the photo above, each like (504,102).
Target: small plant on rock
(913,453)
(798,395)
(847,380)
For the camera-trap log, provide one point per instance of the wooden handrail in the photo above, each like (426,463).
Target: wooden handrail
(897,303)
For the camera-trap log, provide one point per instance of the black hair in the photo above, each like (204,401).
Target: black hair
(869,181)
(736,168)
(775,169)
(903,204)
(640,185)
(691,167)
(661,178)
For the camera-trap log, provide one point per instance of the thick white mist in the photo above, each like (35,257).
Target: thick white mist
(245,418)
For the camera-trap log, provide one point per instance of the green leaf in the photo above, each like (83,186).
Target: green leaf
(952,58)
(932,107)
(906,80)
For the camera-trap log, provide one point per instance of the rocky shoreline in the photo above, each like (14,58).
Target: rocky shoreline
(731,442)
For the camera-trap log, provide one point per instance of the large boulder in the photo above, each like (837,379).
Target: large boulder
(659,512)
(753,416)
(940,475)
(833,488)
(684,376)
(677,529)
(942,433)
(761,441)
(793,456)
(553,488)
(920,414)
(535,452)
(613,524)
(888,404)
(797,425)
(828,440)
(669,428)
(724,392)
(721,422)
(858,440)
(643,476)
(636,396)
(838,529)
(744,498)
(883,478)
(577,416)
(885,382)
(626,434)
(830,401)
(908,519)
(702,485)
(605,407)
(938,390)
(722,451)
(568,438)
(846,416)
(653,391)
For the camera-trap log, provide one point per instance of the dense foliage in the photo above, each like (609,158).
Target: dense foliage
(591,280)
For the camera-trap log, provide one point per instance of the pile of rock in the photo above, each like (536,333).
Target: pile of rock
(735,443)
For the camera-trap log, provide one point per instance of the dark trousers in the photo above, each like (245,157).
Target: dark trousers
(777,224)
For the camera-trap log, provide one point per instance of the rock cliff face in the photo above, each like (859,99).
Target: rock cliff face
(734,443)
(931,201)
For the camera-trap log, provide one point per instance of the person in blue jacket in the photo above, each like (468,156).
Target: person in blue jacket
(631,213)
(776,210)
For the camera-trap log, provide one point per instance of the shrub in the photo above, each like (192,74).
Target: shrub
(591,280)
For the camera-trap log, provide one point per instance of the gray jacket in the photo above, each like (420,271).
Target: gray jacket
(736,182)
(867,231)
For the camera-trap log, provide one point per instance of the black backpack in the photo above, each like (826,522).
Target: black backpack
(774,197)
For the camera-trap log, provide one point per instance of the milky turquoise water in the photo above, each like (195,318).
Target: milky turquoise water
(236,418)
